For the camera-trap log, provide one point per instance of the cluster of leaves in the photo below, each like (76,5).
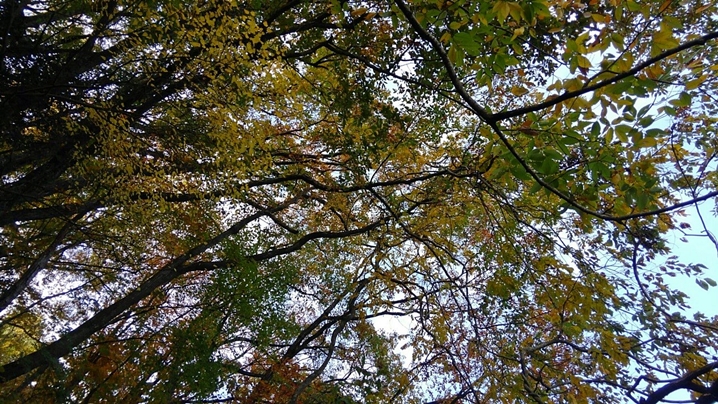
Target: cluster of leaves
(229,200)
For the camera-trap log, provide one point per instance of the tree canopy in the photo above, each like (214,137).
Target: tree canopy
(224,200)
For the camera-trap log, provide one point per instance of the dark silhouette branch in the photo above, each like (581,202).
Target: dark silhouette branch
(618,77)
(687,382)
(65,344)
(38,264)
(493,119)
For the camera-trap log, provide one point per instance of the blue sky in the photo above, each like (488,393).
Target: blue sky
(698,249)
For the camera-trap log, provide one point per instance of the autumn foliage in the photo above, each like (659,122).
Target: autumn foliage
(355,201)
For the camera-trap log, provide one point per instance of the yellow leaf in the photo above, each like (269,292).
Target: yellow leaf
(583,62)
(502,10)
(665,6)
(693,84)
(663,39)
(359,11)
(445,37)
(695,63)
(518,91)
(452,54)
(654,71)
(515,11)
(517,32)
(647,142)
(703,8)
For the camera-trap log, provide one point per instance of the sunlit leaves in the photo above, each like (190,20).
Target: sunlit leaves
(19,336)
(278,198)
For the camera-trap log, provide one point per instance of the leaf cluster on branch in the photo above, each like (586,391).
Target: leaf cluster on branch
(354,201)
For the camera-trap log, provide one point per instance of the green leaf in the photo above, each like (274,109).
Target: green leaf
(519,172)
(553,154)
(535,188)
(620,87)
(243,195)
(622,132)
(600,169)
(548,167)
(647,142)
(683,100)
(467,42)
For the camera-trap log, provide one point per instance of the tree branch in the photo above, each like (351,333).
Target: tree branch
(687,381)
(573,94)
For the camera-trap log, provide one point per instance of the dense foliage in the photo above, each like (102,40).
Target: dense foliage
(354,201)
